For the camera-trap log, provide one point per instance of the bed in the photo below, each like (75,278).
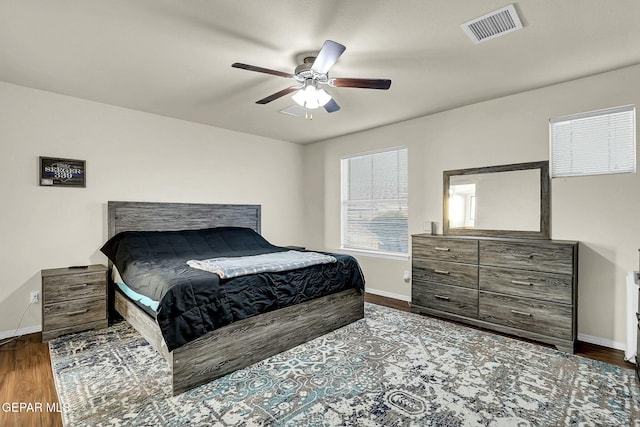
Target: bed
(238,344)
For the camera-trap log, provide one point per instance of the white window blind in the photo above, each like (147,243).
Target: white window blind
(594,143)
(374,202)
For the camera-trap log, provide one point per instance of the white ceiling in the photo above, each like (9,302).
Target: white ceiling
(174,58)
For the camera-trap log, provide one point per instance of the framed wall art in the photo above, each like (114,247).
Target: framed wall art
(56,172)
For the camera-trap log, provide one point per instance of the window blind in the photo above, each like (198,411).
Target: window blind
(375,202)
(594,143)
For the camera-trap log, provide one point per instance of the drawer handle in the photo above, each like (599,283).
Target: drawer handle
(530,256)
(521,282)
(437,248)
(441,297)
(441,271)
(75,313)
(74,287)
(521,313)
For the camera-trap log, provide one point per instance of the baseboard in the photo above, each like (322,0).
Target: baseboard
(20,332)
(601,342)
(388,294)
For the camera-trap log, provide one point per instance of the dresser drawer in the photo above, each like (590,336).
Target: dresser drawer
(74,312)
(541,317)
(74,286)
(545,286)
(553,258)
(448,273)
(441,248)
(451,299)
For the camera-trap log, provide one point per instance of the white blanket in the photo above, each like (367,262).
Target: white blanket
(230,267)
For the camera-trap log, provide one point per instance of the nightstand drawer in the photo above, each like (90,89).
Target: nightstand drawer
(74,312)
(74,286)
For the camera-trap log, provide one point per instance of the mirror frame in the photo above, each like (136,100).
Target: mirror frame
(545,202)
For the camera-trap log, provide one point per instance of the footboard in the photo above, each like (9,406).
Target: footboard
(247,341)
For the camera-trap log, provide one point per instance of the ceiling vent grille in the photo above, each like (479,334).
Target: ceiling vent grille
(492,25)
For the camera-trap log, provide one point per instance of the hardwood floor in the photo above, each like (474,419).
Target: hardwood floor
(26,377)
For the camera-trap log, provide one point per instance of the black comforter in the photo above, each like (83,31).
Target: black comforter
(193,302)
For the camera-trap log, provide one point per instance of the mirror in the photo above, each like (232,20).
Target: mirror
(499,201)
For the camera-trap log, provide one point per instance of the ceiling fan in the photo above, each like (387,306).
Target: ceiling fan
(312,74)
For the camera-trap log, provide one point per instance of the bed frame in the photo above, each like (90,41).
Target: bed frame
(239,344)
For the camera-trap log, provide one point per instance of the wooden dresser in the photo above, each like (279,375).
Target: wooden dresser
(73,300)
(523,287)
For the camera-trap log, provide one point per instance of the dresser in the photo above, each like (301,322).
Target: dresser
(73,299)
(522,287)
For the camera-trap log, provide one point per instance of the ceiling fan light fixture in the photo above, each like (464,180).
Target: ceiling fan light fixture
(299,97)
(323,97)
(311,97)
(312,73)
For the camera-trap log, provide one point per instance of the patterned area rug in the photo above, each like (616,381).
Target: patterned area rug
(390,369)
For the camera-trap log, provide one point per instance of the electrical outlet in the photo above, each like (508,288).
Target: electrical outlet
(405,276)
(35,297)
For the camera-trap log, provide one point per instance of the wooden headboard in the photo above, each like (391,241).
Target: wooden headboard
(152,216)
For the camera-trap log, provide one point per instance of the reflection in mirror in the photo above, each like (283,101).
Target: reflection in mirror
(462,206)
(496,201)
(505,200)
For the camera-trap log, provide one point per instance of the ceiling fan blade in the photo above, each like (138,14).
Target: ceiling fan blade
(331,106)
(328,55)
(361,83)
(261,70)
(277,95)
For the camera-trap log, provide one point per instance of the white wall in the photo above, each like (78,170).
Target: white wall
(130,156)
(602,212)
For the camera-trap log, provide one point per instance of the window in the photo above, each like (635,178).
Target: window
(374,202)
(595,143)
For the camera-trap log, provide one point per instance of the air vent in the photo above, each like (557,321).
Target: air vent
(294,110)
(492,25)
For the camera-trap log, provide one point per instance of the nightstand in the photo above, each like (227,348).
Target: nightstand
(73,300)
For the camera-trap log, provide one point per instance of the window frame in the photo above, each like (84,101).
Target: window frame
(586,115)
(344,191)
